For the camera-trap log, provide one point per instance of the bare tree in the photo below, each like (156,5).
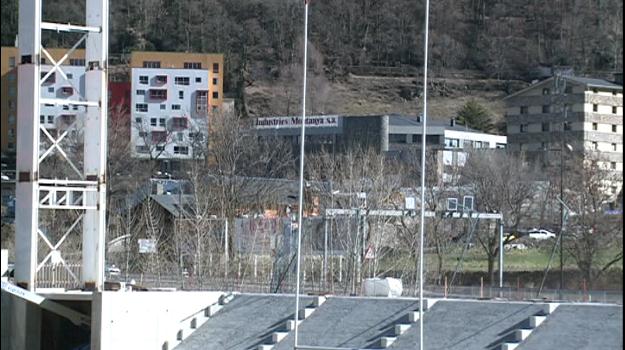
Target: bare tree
(503,184)
(592,237)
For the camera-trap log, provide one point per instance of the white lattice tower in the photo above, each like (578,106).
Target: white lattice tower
(86,191)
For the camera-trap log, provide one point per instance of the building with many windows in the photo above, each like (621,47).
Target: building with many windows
(396,135)
(55,86)
(172,96)
(582,114)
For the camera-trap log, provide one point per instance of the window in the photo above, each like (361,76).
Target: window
(163,107)
(151,64)
(11,146)
(51,78)
(181,150)
(181,80)
(11,119)
(142,149)
(452,204)
(76,61)
(215,67)
(198,79)
(42,119)
(161,122)
(140,92)
(523,127)
(43,60)
(546,91)
(595,146)
(546,108)
(613,165)
(452,143)
(614,128)
(595,107)
(138,120)
(477,144)
(545,127)
(160,94)
(614,147)
(215,81)
(467,203)
(192,65)
(141,107)
(523,109)
(75,107)
(180,95)
(160,79)
(566,126)
(160,148)
(143,133)
(196,136)
(595,91)
(614,109)
(143,79)
(51,90)
(70,76)
(595,126)
(215,94)
(66,108)
(50,119)
(175,107)
(11,62)
(153,122)
(159,137)
(180,136)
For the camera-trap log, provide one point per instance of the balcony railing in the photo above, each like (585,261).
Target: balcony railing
(158,94)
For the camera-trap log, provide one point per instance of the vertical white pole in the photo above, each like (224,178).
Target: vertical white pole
(27,175)
(95,147)
(301,174)
(500,254)
(423,154)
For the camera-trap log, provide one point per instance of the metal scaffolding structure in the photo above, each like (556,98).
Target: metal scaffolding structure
(86,191)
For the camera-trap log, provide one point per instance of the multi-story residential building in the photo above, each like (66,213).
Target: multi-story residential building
(583,114)
(55,86)
(172,96)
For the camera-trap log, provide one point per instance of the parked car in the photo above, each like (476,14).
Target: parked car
(541,234)
(513,246)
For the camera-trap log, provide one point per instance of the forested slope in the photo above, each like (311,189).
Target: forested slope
(501,39)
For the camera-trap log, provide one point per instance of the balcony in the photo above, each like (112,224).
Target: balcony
(179,123)
(158,94)
(65,120)
(160,80)
(158,137)
(67,91)
(201,103)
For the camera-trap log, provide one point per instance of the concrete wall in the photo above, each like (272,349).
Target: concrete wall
(145,320)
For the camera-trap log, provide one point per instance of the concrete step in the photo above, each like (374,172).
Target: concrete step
(265,347)
(550,308)
(385,342)
(509,346)
(536,321)
(522,334)
(304,313)
(290,324)
(401,329)
(413,316)
(278,336)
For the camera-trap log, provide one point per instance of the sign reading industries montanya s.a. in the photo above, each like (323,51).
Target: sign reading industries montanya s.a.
(294,122)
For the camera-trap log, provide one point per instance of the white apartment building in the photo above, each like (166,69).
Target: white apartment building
(169,113)
(57,118)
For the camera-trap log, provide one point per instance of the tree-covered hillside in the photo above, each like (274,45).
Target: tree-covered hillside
(501,38)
